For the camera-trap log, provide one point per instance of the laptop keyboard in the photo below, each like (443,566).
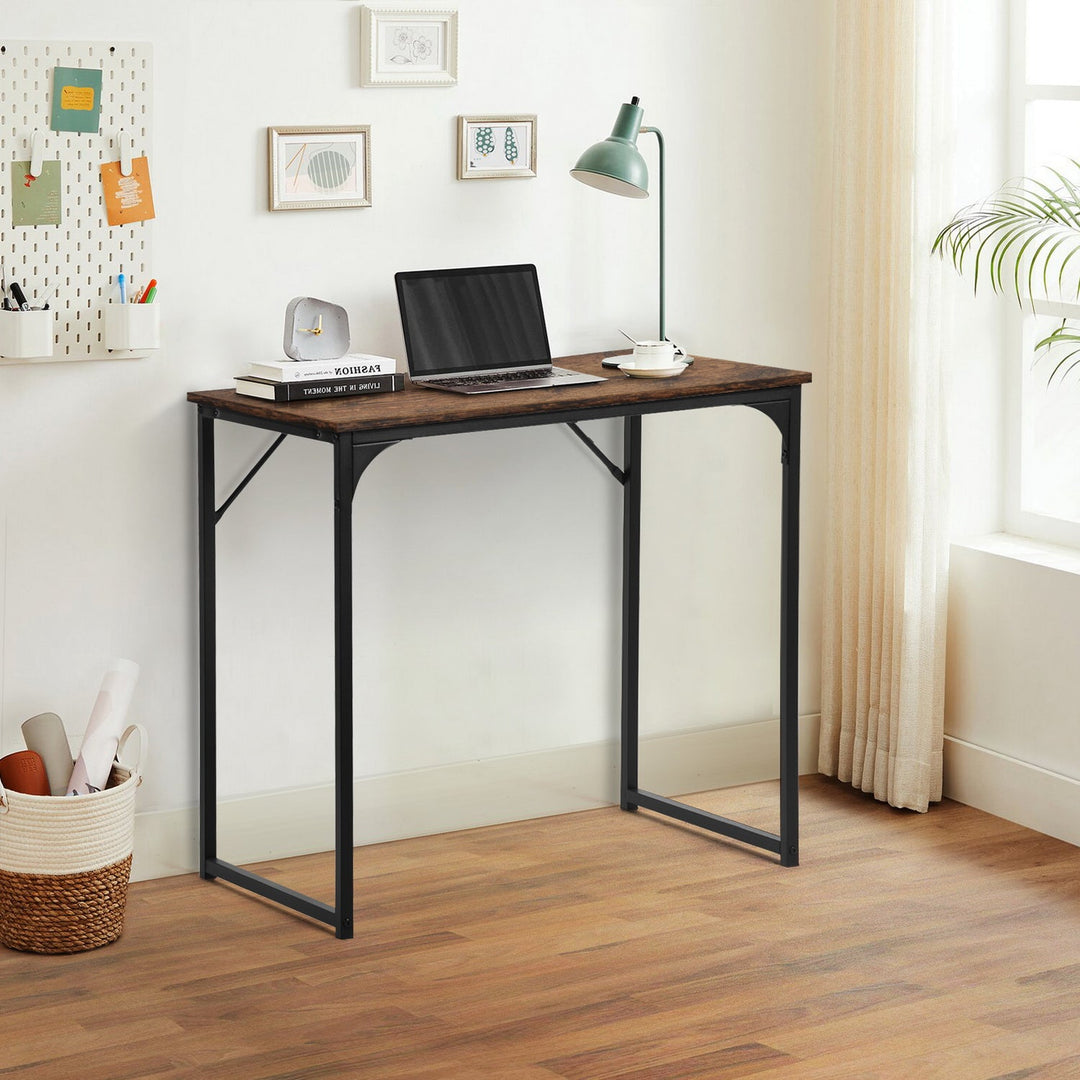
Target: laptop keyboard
(506,376)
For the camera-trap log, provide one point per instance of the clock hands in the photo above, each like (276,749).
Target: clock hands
(314,330)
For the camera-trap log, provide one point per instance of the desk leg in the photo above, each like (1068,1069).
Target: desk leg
(789,640)
(207,648)
(344,485)
(784,412)
(631,611)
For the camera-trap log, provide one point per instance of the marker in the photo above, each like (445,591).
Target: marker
(123,291)
(146,292)
(20,299)
(150,294)
(48,297)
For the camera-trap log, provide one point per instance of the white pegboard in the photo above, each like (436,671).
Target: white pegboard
(83,254)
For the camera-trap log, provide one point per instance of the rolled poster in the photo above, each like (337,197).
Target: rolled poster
(106,725)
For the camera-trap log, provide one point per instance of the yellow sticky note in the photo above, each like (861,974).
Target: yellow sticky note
(77,97)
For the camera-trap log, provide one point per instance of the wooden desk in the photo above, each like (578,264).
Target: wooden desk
(360,428)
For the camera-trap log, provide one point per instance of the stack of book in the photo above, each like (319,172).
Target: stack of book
(302,380)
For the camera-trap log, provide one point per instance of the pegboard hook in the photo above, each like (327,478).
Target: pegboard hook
(36,149)
(125,152)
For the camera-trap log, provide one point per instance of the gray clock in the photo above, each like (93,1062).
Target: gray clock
(315,329)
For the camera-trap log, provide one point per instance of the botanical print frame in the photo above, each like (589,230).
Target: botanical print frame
(496,146)
(408,47)
(314,168)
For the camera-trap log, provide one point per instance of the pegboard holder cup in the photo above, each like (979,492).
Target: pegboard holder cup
(26,335)
(132,328)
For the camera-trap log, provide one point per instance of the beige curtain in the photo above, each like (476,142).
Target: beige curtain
(886,552)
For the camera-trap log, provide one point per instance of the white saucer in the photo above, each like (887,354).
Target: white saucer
(631,368)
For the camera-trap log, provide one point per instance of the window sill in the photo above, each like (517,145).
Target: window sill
(1059,309)
(1024,549)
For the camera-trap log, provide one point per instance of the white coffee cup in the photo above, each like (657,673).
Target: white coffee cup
(654,354)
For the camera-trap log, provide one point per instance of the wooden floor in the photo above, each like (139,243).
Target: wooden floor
(596,945)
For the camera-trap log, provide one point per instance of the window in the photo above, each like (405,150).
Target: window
(1042,497)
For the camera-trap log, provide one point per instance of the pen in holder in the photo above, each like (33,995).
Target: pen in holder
(26,335)
(132,327)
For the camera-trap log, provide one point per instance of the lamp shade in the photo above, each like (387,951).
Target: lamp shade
(615,164)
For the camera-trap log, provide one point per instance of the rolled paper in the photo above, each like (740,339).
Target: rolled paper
(45,735)
(103,731)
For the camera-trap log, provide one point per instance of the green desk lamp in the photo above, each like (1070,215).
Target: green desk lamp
(616,165)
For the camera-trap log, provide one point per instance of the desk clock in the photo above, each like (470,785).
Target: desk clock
(315,329)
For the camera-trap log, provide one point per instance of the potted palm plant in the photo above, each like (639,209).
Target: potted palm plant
(1023,239)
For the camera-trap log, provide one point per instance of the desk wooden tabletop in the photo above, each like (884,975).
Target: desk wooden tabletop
(417,407)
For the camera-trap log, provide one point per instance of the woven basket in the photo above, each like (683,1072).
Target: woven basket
(65,862)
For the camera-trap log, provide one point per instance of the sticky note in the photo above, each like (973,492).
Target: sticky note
(127,198)
(35,200)
(76,99)
(81,98)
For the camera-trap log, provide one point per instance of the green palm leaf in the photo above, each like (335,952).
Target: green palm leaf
(1027,232)
(1022,233)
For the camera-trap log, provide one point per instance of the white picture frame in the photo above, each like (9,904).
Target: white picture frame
(407,47)
(494,147)
(319,167)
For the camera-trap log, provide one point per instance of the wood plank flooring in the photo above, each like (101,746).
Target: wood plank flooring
(595,946)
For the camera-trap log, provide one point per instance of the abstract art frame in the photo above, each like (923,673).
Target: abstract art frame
(319,167)
(405,47)
(490,147)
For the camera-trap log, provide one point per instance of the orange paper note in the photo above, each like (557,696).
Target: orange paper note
(127,198)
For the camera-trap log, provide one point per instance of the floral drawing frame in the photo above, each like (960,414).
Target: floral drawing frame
(408,47)
(496,147)
(319,167)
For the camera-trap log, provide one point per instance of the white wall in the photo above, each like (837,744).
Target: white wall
(453,665)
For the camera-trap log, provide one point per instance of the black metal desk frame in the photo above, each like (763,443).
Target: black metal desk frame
(353,452)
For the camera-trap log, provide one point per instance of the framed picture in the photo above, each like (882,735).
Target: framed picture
(313,168)
(494,146)
(407,48)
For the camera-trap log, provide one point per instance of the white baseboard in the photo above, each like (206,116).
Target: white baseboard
(466,795)
(1048,802)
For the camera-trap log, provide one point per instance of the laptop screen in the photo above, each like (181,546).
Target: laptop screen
(472,319)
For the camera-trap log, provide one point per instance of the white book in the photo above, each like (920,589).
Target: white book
(348,366)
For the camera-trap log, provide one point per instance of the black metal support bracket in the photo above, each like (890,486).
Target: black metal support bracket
(363,454)
(247,479)
(779,412)
(608,464)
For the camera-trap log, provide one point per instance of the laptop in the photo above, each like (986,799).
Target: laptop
(478,330)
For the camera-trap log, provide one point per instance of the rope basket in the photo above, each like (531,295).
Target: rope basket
(65,863)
